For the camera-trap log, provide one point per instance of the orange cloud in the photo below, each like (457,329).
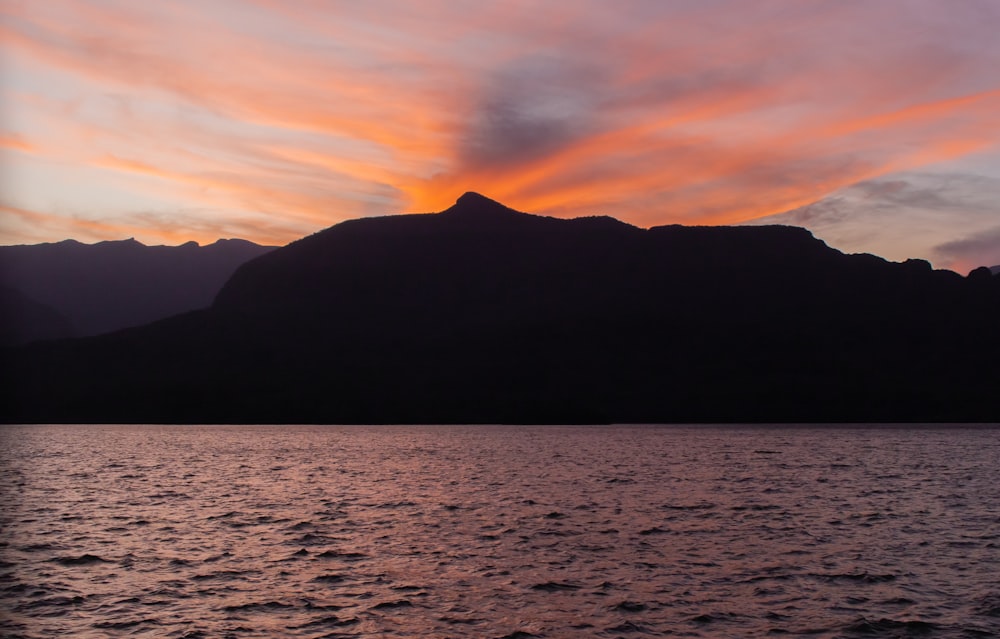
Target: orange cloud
(26,226)
(16,142)
(135,166)
(34,226)
(303,114)
(612,162)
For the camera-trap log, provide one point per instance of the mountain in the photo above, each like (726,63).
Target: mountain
(481,314)
(24,320)
(111,285)
(995,269)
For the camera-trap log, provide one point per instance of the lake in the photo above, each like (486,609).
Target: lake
(499,531)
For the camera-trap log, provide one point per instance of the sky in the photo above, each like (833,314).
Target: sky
(873,123)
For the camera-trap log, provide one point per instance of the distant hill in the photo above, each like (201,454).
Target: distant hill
(481,314)
(107,286)
(995,269)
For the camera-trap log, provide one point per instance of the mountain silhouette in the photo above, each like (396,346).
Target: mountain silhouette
(481,314)
(106,286)
(24,320)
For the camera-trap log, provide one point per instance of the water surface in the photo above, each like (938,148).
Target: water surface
(246,531)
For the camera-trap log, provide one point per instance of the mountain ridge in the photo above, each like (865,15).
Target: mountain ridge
(491,315)
(113,284)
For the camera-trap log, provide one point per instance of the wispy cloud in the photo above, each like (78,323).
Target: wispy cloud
(948,218)
(967,253)
(37,226)
(15,142)
(172,227)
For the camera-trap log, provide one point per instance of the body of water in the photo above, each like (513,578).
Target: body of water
(497,531)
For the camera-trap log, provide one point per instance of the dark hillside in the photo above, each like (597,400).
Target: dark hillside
(481,314)
(23,320)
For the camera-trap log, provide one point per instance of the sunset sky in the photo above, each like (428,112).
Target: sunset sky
(874,123)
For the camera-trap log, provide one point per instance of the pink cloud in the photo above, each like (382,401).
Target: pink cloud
(16,142)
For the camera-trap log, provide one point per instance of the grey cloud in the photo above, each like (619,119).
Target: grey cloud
(947,218)
(828,210)
(533,107)
(982,249)
(962,194)
(970,193)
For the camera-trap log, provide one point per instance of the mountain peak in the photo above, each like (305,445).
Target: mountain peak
(473,204)
(473,197)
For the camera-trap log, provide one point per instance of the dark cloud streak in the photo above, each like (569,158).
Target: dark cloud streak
(979,249)
(532,108)
(947,193)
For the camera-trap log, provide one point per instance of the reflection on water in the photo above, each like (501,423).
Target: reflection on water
(225,531)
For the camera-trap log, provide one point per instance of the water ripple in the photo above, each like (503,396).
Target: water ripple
(498,532)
